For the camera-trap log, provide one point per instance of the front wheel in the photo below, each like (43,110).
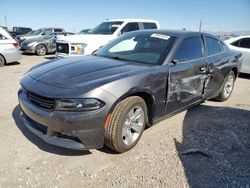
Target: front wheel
(126,124)
(227,87)
(41,49)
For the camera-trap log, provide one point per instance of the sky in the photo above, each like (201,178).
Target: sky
(75,15)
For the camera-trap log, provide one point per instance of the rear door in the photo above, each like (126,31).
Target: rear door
(187,73)
(216,60)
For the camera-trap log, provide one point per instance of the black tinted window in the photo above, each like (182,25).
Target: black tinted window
(2,37)
(149,26)
(130,27)
(236,43)
(245,43)
(213,46)
(57,30)
(190,48)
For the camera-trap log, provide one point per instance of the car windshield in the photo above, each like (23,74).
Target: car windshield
(30,33)
(148,48)
(49,36)
(105,28)
(37,32)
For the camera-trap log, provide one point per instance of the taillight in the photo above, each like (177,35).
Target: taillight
(16,44)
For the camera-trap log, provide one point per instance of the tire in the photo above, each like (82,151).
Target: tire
(124,129)
(2,61)
(227,87)
(41,50)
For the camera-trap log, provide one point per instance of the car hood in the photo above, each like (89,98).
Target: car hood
(87,72)
(87,38)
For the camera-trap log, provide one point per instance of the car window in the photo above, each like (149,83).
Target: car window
(57,30)
(148,48)
(47,31)
(149,26)
(244,43)
(2,37)
(236,43)
(130,27)
(189,49)
(213,46)
(105,28)
(126,45)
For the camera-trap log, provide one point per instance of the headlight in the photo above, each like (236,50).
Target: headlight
(77,48)
(86,104)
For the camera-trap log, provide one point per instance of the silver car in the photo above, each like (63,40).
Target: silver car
(241,44)
(38,33)
(43,45)
(9,51)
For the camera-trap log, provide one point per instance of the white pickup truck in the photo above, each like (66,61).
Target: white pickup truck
(108,30)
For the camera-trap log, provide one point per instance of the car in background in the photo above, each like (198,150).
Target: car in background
(241,44)
(137,79)
(20,31)
(9,51)
(99,36)
(38,33)
(43,45)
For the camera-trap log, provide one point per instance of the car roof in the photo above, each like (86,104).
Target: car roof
(51,28)
(177,33)
(130,20)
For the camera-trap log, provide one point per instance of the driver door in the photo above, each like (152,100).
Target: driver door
(187,73)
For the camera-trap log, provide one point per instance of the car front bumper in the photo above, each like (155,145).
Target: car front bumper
(72,130)
(27,49)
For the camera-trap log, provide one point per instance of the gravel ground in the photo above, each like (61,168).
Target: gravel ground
(205,146)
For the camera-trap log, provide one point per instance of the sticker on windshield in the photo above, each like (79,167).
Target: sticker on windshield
(160,36)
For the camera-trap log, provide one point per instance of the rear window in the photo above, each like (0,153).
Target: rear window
(236,43)
(213,46)
(149,26)
(189,49)
(245,43)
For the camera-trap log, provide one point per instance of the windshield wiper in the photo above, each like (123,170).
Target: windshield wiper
(117,58)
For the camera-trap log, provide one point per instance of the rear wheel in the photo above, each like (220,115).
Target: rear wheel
(227,87)
(41,49)
(2,61)
(126,124)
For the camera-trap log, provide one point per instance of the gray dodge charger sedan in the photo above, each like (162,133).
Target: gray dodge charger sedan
(136,80)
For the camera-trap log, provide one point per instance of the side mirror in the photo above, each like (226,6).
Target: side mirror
(175,61)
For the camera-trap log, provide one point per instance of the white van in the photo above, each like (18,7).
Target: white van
(9,51)
(108,30)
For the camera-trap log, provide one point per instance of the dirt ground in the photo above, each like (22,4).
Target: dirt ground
(205,146)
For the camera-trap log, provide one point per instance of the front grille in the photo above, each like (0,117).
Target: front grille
(41,101)
(62,48)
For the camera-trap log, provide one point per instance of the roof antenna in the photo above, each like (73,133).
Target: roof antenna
(200,26)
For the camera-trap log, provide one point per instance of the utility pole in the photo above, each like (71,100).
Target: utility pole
(200,26)
(5,19)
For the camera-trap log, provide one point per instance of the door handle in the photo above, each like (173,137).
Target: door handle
(203,69)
